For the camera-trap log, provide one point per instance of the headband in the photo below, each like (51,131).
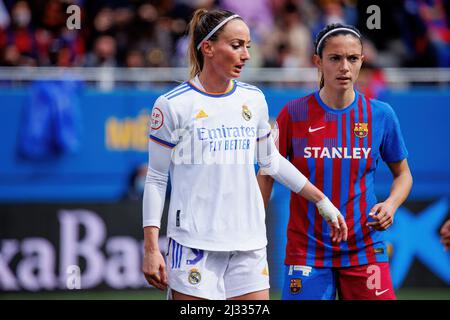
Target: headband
(333,31)
(216,28)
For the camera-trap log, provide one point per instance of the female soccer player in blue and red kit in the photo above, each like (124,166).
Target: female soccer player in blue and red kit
(336,136)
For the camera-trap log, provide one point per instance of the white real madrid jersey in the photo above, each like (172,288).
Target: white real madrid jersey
(215,201)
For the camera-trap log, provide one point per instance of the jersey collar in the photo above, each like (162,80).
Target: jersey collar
(343,110)
(211,94)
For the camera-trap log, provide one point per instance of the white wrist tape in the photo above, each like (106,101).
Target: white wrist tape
(327,210)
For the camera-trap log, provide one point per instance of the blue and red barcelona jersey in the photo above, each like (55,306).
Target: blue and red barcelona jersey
(338,150)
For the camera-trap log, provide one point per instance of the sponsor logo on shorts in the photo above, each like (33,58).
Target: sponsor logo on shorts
(304,269)
(295,285)
(379,293)
(194,276)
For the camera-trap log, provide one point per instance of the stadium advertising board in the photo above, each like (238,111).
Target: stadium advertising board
(45,247)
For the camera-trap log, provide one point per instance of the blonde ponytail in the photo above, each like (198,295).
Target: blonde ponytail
(195,56)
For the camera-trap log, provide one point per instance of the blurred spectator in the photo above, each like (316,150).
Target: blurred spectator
(433,14)
(180,54)
(259,17)
(104,22)
(257,14)
(44,39)
(104,54)
(134,59)
(19,37)
(180,13)
(137,182)
(414,33)
(4,16)
(402,40)
(11,57)
(371,80)
(153,36)
(331,11)
(123,19)
(350,11)
(54,16)
(289,42)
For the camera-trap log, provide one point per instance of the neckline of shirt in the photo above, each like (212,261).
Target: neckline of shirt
(197,86)
(343,110)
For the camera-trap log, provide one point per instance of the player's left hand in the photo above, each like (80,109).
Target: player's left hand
(383,215)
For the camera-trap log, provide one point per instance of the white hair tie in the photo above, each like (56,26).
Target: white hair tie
(333,31)
(216,28)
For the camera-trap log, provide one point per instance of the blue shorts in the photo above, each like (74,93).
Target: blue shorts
(362,282)
(308,283)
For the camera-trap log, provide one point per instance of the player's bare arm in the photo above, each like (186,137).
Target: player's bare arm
(383,212)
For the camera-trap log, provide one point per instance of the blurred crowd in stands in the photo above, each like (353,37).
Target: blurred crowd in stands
(152,33)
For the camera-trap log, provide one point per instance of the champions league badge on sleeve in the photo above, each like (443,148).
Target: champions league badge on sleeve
(246,113)
(194,276)
(361,129)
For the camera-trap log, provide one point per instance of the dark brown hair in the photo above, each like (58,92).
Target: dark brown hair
(319,48)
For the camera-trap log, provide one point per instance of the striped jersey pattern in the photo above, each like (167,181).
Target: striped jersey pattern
(338,150)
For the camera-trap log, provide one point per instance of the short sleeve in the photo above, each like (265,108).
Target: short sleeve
(283,125)
(393,146)
(163,124)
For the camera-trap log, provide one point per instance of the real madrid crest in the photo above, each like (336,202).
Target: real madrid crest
(361,129)
(246,113)
(194,276)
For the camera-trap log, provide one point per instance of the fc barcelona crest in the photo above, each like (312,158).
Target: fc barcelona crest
(361,129)
(246,113)
(295,285)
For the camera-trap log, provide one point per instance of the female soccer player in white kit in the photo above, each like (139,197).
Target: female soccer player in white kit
(207,132)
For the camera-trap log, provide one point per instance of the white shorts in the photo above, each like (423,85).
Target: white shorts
(216,275)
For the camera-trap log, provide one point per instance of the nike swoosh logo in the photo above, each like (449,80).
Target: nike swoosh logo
(315,129)
(379,293)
